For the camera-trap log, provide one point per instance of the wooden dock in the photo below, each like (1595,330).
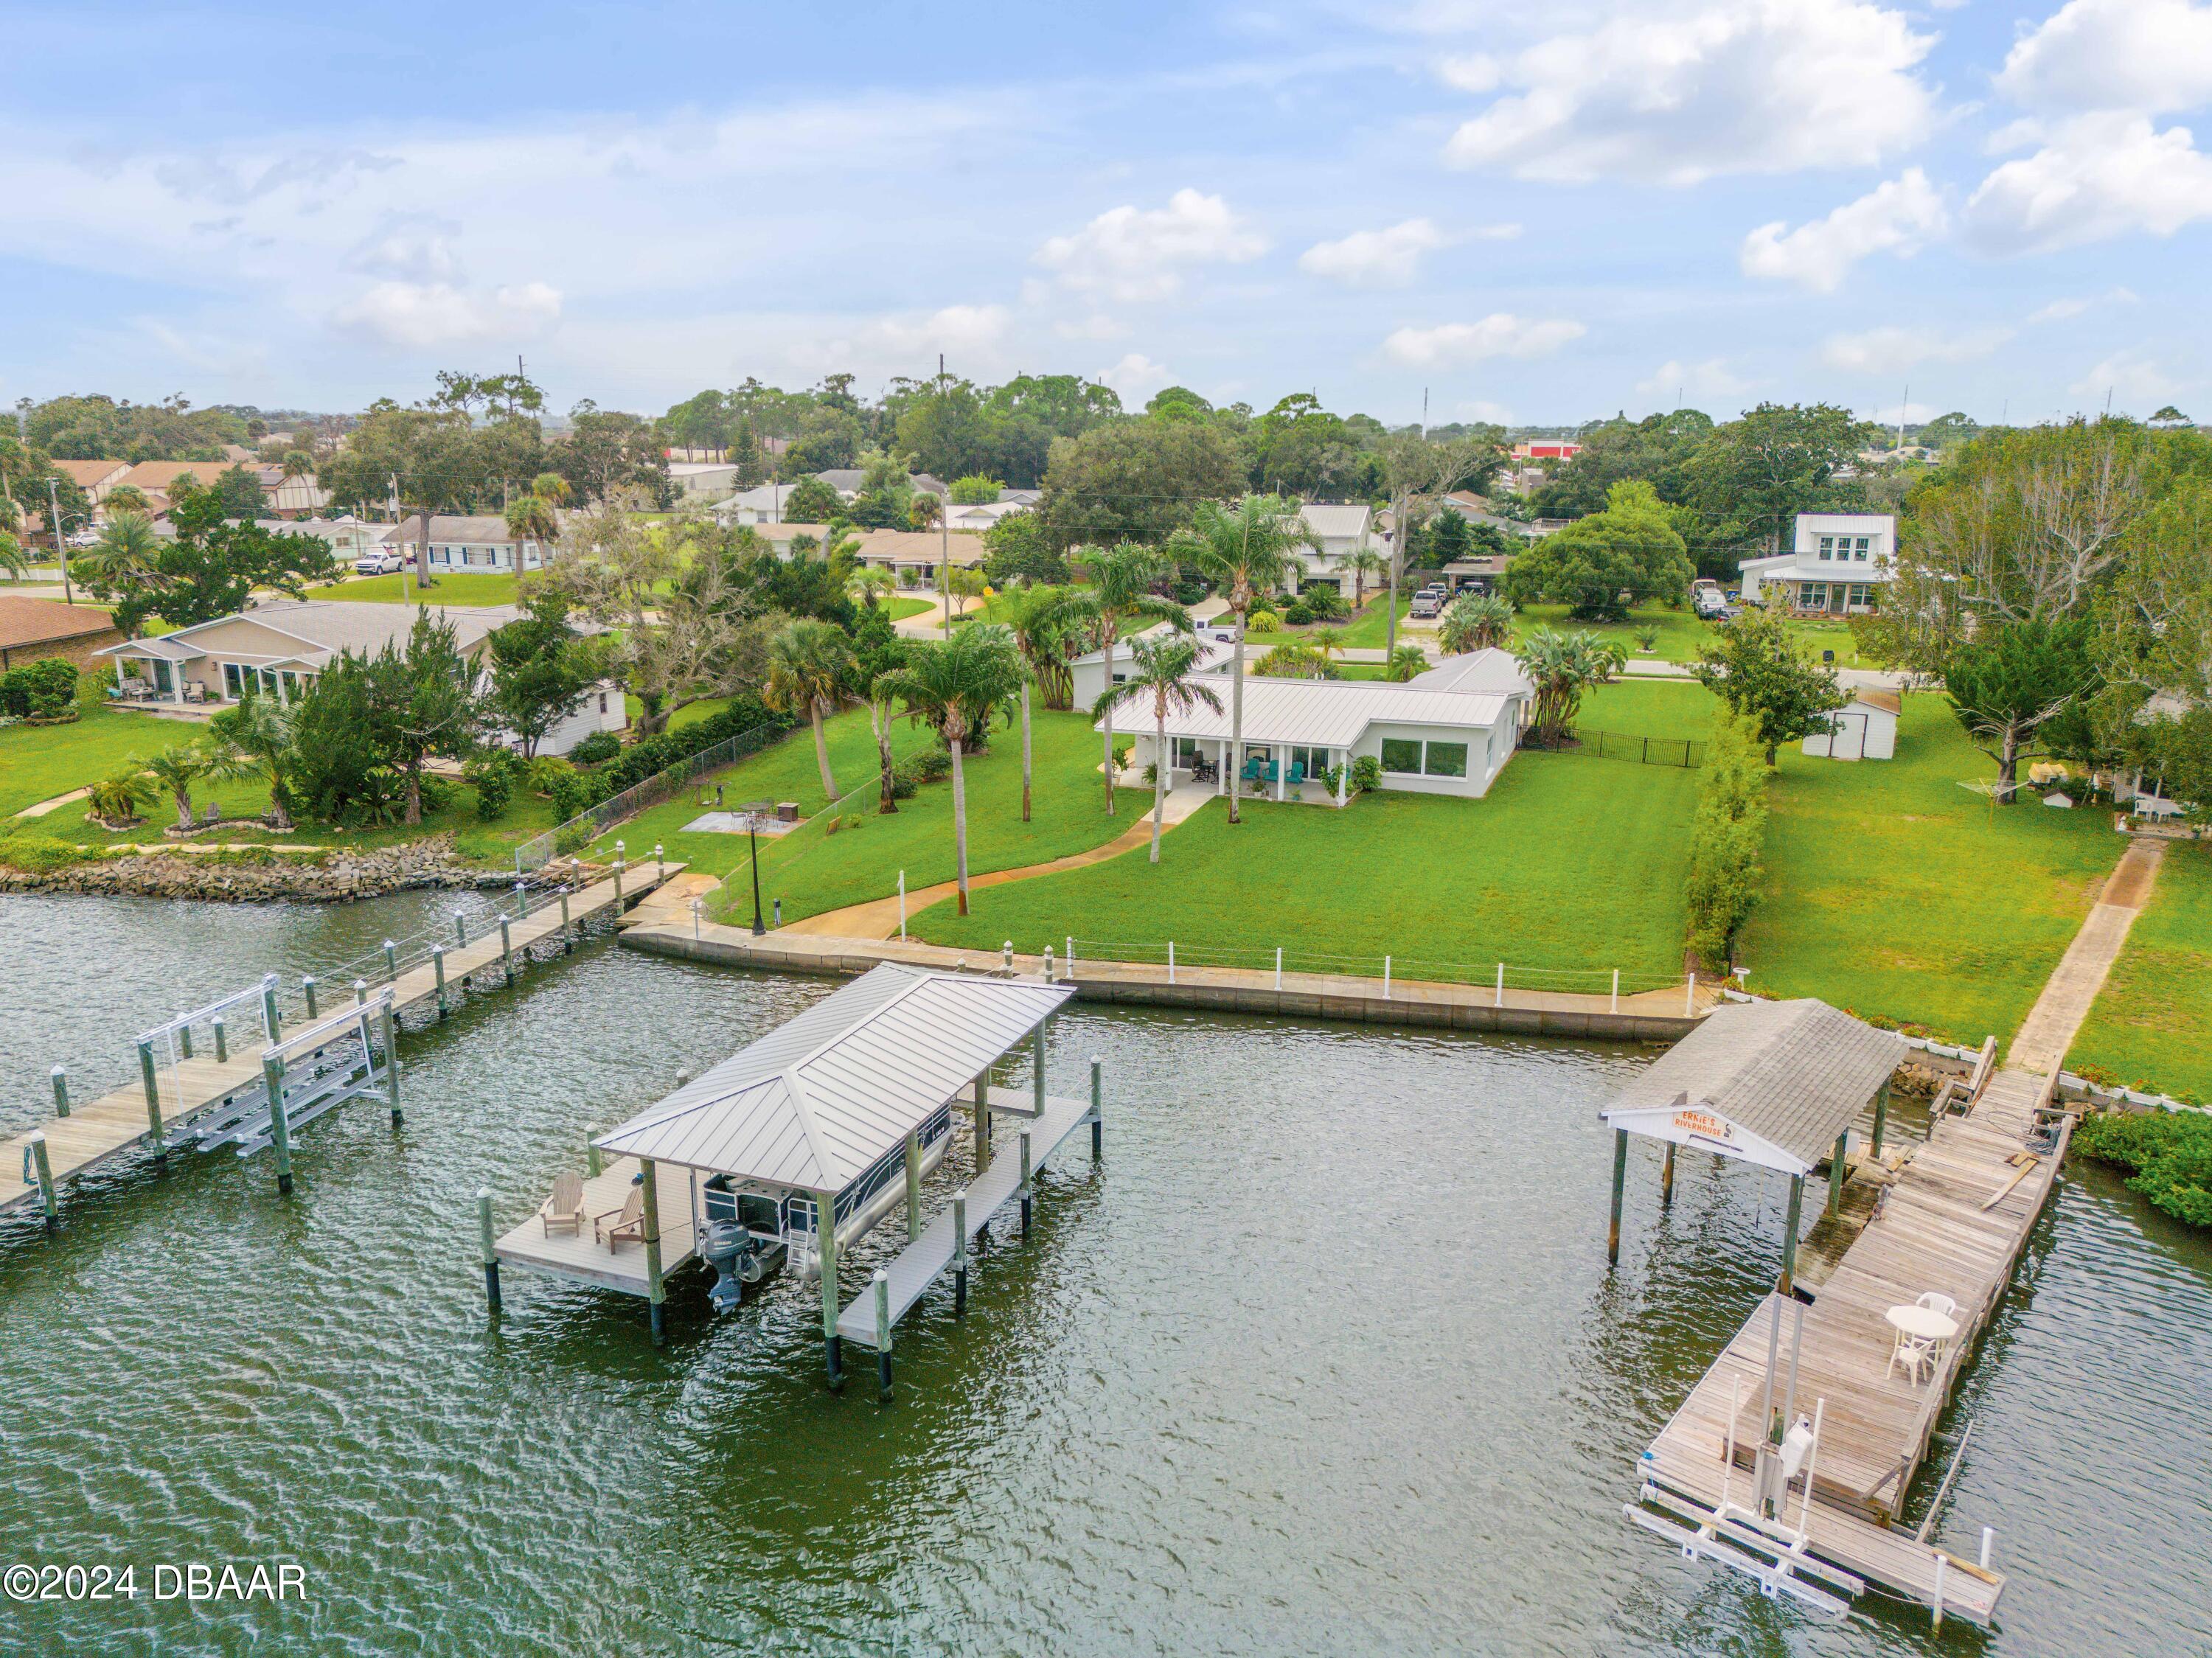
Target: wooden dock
(1955,1221)
(118,1124)
(929,1256)
(580,1255)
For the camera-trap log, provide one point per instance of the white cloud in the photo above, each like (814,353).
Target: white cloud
(1911,414)
(417,247)
(957,330)
(1133,254)
(1897,218)
(1697,381)
(417,316)
(2139,55)
(2136,384)
(1726,86)
(1136,377)
(1891,348)
(1501,334)
(1374,258)
(2072,305)
(2097,176)
(1476,72)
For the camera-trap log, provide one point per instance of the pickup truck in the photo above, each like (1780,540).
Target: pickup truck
(382,561)
(1427,604)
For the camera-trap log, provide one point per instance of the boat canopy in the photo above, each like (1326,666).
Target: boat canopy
(819,1101)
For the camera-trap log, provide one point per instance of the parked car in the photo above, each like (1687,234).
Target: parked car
(85,538)
(382,561)
(1427,604)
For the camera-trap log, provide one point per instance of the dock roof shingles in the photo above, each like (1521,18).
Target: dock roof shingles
(1795,1074)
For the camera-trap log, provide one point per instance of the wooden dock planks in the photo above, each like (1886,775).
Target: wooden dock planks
(115,1124)
(581,1255)
(1932,1232)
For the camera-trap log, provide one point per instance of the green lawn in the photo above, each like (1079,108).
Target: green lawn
(1895,893)
(689,714)
(38,762)
(2152,1027)
(812,871)
(1569,863)
(901,607)
(1681,632)
(462,588)
(1369,630)
(1649,708)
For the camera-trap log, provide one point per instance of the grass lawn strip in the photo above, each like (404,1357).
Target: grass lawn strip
(38,762)
(2151,1028)
(461,588)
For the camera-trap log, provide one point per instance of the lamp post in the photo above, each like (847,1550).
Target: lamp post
(752,835)
(61,552)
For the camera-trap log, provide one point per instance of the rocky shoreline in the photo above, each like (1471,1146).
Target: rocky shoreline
(327,876)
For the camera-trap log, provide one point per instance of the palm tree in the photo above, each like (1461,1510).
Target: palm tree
(1121,592)
(953,686)
(1362,564)
(124,557)
(809,667)
(1160,669)
(551,486)
(1327,641)
(176,771)
(923,511)
(296,465)
(1247,550)
(13,559)
(870,583)
(256,743)
(1476,621)
(1406,663)
(116,798)
(1043,630)
(533,517)
(879,727)
(1562,666)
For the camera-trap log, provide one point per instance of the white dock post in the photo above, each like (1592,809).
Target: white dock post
(901,903)
(656,1293)
(1025,1182)
(1048,963)
(1279,967)
(960,1252)
(1071,957)
(460,930)
(222,1040)
(592,1164)
(61,1092)
(660,863)
(36,1144)
(825,1247)
(280,1129)
(1006,956)
(883,1287)
(307,990)
(1942,1560)
(390,962)
(618,874)
(1615,1008)
(1171,961)
(389,1032)
(438,967)
(1500,1002)
(1989,1544)
(146,1075)
(1097,1111)
(360,993)
(521,899)
(484,1238)
(1690,996)
(506,950)
(913,1186)
(1386,978)
(568,932)
(1036,1069)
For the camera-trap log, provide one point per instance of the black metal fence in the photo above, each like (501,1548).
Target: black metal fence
(1685,753)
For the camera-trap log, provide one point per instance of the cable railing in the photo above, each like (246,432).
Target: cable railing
(588,825)
(1498,976)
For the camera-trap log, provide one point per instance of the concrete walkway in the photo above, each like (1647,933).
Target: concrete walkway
(879,917)
(55,803)
(2050,1027)
(930,623)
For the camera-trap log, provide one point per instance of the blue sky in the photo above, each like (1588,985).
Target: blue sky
(1539,214)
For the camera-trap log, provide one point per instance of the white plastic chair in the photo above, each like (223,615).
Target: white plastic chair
(1936,1301)
(1912,1353)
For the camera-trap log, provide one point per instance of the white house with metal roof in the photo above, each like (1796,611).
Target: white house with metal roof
(1344,533)
(1838,565)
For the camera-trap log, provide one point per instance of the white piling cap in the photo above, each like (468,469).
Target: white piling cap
(483,1194)
(60,1071)
(36,1137)
(880,1276)
(387,944)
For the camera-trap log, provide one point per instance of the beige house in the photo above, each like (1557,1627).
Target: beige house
(913,556)
(277,649)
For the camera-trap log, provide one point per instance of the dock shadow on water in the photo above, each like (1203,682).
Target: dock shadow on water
(1322,1358)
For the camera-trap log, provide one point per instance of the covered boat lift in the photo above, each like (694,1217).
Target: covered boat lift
(813,1135)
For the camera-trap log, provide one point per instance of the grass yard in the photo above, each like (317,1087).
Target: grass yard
(901,607)
(689,714)
(38,762)
(2152,1026)
(1569,863)
(1681,632)
(1650,707)
(1895,893)
(1369,629)
(462,588)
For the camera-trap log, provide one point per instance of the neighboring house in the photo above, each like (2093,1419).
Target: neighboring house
(1022,497)
(1489,672)
(1547,449)
(1088,675)
(913,556)
(763,504)
(1342,531)
(157,479)
(347,536)
(476,542)
(1476,510)
(1428,741)
(780,536)
(34,628)
(703,481)
(1838,566)
(236,454)
(847,481)
(95,477)
(277,650)
(1865,728)
(980,518)
(300,495)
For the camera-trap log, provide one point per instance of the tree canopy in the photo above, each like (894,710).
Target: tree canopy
(1599,565)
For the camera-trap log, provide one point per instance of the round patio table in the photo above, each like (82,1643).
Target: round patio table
(1922,1323)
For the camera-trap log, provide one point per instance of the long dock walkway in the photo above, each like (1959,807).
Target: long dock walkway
(118,1124)
(929,1256)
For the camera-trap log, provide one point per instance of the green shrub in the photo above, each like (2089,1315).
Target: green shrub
(1366,773)
(656,754)
(492,774)
(574,838)
(926,765)
(1263,622)
(35,854)
(1298,616)
(1726,838)
(2168,1155)
(1324,602)
(598,747)
(44,688)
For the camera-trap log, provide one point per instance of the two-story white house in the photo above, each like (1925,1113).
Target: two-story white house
(1344,533)
(1838,565)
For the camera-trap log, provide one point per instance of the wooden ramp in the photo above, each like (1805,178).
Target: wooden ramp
(118,1123)
(1955,1221)
(922,1262)
(579,1255)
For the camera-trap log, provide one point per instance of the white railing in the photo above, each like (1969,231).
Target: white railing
(1497,976)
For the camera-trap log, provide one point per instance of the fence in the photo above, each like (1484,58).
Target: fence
(588,825)
(1684,752)
(1500,976)
(779,853)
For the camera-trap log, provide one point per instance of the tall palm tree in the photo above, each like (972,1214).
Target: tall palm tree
(176,771)
(1362,564)
(1118,593)
(953,686)
(296,465)
(1159,669)
(809,667)
(13,559)
(255,741)
(872,583)
(551,486)
(1562,666)
(124,557)
(1044,632)
(1246,549)
(533,517)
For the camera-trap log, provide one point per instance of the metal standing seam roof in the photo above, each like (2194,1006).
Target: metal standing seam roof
(1796,1074)
(1486,670)
(1323,713)
(817,1102)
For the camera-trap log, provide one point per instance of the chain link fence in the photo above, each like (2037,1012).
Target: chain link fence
(588,825)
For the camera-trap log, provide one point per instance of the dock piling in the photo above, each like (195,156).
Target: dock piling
(222,1040)
(438,967)
(1386,978)
(272,1017)
(1836,1172)
(521,900)
(618,875)
(1942,1560)
(825,1246)
(484,1238)
(460,930)
(1279,967)
(389,1032)
(506,950)
(184,1041)
(660,863)
(568,933)
(280,1128)
(1619,1178)
(1615,1007)
(1097,1111)
(307,989)
(1666,1179)
(1880,1117)
(913,1185)
(883,1284)
(61,1092)
(1036,1070)
(656,1292)
(1784,1285)
(1690,996)
(960,1252)
(1048,963)
(1026,1193)
(592,1166)
(360,992)
(1500,1000)
(1006,956)
(390,962)
(901,903)
(36,1144)
(1171,961)
(153,1082)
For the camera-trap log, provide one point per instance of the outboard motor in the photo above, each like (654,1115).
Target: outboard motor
(729,1249)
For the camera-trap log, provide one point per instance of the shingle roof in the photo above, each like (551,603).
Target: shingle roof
(817,1102)
(1326,713)
(38,621)
(1796,1074)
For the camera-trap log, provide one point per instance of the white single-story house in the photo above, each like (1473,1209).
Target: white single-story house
(347,536)
(1216,654)
(471,542)
(980,516)
(703,480)
(277,649)
(1838,566)
(1865,728)
(913,556)
(1490,671)
(763,504)
(780,535)
(1296,730)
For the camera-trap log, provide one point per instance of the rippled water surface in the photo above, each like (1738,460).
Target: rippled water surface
(1323,1359)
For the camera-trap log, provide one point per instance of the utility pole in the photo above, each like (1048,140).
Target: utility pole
(61,553)
(944,533)
(1901,408)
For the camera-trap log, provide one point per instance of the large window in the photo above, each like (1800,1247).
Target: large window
(1859,548)
(1401,753)
(1445,760)
(1812,596)
(1827,547)
(235,685)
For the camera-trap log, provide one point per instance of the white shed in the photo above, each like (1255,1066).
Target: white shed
(1865,728)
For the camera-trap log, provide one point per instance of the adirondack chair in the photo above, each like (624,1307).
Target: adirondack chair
(565,1208)
(627,1222)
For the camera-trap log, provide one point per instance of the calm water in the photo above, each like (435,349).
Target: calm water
(1324,1360)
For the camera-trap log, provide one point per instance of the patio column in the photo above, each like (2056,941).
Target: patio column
(1343,773)
(177,684)
(1279,754)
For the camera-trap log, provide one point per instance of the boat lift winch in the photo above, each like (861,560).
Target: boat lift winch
(346,1055)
